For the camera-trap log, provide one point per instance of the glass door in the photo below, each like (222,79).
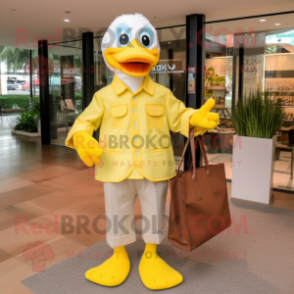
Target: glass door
(65,87)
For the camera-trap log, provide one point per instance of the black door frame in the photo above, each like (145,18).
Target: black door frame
(44,91)
(88,68)
(195,62)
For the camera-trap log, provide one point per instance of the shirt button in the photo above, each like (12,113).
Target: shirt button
(134,98)
(134,109)
(136,139)
(137,153)
(134,124)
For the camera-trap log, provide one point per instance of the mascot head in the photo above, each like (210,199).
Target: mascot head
(130,45)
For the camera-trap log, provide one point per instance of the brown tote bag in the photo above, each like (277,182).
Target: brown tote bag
(199,207)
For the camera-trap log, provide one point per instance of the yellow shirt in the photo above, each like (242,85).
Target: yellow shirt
(135,130)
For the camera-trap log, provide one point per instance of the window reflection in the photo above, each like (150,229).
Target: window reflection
(65,87)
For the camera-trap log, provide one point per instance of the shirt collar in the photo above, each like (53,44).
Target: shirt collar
(119,86)
(148,85)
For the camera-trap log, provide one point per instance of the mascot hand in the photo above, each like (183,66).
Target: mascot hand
(88,148)
(203,119)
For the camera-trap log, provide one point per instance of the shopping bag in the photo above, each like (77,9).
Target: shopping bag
(199,207)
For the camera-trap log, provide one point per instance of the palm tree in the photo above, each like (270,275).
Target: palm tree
(18,58)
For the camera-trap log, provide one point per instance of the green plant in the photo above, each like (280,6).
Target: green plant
(27,122)
(16,101)
(35,108)
(21,101)
(271,50)
(16,58)
(257,116)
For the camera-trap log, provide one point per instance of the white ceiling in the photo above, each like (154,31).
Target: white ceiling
(41,19)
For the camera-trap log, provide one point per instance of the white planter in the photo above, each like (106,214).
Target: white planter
(252,169)
(25,133)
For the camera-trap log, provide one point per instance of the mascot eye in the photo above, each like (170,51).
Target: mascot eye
(124,39)
(146,37)
(145,40)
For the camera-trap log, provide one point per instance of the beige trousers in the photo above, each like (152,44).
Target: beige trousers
(119,204)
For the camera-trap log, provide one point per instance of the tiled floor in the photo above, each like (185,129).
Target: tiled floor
(42,190)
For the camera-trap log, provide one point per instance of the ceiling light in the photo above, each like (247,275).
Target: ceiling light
(66,20)
(262,20)
(277,24)
(67,11)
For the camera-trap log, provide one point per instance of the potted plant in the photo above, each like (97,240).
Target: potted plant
(28,122)
(256,120)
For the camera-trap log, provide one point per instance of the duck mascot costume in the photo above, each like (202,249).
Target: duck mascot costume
(134,156)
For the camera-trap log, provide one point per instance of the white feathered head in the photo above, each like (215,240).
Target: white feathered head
(130,45)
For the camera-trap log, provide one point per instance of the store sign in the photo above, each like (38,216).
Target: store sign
(166,66)
(283,38)
(70,71)
(67,80)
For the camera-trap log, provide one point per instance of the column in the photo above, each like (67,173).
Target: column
(88,68)
(195,63)
(44,91)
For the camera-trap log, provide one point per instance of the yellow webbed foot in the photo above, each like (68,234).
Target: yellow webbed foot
(155,273)
(113,271)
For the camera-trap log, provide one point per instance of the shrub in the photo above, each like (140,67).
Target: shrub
(35,107)
(257,116)
(28,120)
(16,101)
(21,101)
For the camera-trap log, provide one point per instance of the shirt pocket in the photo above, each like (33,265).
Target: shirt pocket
(155,115)
(119,115)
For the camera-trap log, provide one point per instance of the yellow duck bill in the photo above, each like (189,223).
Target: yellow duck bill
(133,60)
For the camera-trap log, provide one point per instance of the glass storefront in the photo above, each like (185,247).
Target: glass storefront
(65,88)
(103,76)
(244,56)
(15,91)
(14,70)
(241,56)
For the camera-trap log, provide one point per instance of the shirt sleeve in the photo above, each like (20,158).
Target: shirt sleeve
(88,121)
(179,116)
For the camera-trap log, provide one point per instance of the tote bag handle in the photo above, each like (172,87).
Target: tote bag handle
(192,142)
